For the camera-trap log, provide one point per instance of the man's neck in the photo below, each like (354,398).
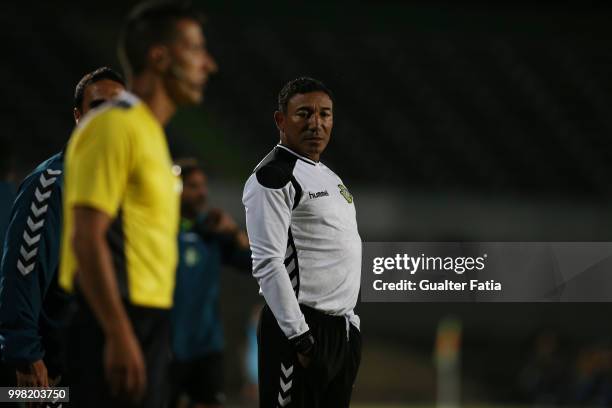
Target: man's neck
(149,87)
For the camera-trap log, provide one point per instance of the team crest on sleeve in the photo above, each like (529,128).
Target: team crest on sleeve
(191,257)
(345,193)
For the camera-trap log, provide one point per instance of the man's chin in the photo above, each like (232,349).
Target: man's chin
(312,150)
(315,146)
(195,99)
(191,98)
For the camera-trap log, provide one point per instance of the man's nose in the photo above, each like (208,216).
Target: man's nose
(210,64)
(314,121)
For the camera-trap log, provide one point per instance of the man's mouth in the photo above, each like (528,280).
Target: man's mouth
(313,136)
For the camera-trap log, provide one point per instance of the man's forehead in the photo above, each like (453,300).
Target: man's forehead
(196,174)
(318,98)
(187,28)
(103,87)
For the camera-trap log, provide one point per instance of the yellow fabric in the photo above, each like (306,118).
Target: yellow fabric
(117,162)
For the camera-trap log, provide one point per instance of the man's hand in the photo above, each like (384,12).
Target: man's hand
(220,222)
(304,346)
(124,365)
(33,375)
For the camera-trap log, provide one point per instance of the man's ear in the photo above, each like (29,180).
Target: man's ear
(159,58)
(279,119)
(77,115)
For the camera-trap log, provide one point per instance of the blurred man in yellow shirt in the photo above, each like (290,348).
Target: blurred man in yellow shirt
(121,214)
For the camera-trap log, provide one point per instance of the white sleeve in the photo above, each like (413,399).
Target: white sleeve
(268,217)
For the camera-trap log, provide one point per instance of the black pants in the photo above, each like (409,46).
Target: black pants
(328,380)
(89,387)
(202,379)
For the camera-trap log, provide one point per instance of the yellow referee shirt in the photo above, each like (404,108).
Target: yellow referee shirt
(117,162)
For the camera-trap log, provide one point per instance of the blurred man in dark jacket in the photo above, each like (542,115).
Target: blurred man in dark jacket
(32,306)
(208,239)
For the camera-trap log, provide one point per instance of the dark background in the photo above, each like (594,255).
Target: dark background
(453,121)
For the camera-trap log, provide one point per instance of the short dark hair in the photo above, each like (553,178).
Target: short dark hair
(300,85)
(188,166)
(91,78)
(150,23)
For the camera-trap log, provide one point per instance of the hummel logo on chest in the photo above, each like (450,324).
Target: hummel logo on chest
(323,193)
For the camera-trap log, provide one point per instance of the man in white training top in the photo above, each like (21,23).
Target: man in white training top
(306,258)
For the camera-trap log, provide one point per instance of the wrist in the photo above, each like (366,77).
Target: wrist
(236,233)
(117,327)
(304,343)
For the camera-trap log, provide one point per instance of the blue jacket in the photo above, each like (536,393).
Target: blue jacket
(196,321)
(32,306)
(7,195)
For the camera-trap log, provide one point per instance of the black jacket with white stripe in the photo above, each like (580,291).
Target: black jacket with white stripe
(303,234)
(33,309)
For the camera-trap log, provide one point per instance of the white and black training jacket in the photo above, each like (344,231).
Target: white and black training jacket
(303,234)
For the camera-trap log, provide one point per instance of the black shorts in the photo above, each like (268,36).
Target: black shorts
(85,351)
(202,379)
(327,382)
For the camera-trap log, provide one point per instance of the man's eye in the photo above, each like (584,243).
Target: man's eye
(96,103)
